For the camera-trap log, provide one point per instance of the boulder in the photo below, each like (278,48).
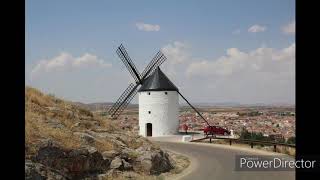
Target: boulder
(125,153)
(126,165)
(143,148)
(116,163)
(144,163)
(90,149)
(40,172)
(54,123)
(76,162)
(161,163)
(120,164)
(154,163)
(110,154)
(85,137)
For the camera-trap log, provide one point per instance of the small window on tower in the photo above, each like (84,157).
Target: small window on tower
(149,112)
(148,93)
(166,93)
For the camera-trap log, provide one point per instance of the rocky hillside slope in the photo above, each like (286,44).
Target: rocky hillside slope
(64,141)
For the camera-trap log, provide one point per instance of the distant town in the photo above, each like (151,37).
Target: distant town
(271,122)
(275,122)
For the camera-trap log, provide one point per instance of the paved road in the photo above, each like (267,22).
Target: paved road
(212,162)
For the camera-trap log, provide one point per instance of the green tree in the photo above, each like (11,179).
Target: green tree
(291,140)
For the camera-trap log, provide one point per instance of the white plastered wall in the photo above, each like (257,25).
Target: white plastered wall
(164,109)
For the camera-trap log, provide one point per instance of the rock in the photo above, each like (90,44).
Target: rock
(144,148)
(48,142)
(86,137)
(126,165)
(48,154)
(123,138)
(92,149)
(101,130)
(161,163)
(78,152)
(120,164)
(154,162)
(125,154)
(118,143)
(144,162)
(54,123)
(54,109)
(76,163)
(75,125)
(40,172)
(116,163)
(110,154)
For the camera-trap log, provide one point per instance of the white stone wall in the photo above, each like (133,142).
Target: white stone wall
(164,110)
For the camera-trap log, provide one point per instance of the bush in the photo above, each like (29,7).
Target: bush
(257,136)
(291,140)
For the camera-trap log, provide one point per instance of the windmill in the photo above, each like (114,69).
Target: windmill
(158,97)
(132,89)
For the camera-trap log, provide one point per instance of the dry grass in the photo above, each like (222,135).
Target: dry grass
(286,150)
(104,145)
(280,149)
(36,131)
(41,109)
(181,163)
(70,126)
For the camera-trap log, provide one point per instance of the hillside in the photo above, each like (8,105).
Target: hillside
(65,141)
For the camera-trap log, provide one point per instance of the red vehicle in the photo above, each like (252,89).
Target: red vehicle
(185,128)
(216,130)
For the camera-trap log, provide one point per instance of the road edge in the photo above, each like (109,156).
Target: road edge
(192,166)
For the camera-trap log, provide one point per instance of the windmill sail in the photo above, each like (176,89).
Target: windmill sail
(194,108)
(123,100)
(122,53)
(131,90)
(158,59)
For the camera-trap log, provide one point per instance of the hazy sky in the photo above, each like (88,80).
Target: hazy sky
(218,51)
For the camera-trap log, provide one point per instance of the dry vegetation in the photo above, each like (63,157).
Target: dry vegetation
(51,120)
(47,117)
(35,126)
(280,149)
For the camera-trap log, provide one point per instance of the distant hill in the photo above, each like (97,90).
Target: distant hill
(236,104)
(99,106)
(103,106)
(218,104)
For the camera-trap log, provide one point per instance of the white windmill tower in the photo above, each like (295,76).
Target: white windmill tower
(158,97)
(158,106)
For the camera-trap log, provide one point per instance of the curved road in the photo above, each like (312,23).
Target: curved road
(217,162)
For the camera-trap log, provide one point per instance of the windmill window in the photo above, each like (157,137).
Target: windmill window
(148,93)
(166,93)
(149,112)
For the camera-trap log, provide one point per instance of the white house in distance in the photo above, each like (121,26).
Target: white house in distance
(158,106)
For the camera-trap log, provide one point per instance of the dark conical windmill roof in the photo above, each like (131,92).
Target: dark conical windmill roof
(158,81)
